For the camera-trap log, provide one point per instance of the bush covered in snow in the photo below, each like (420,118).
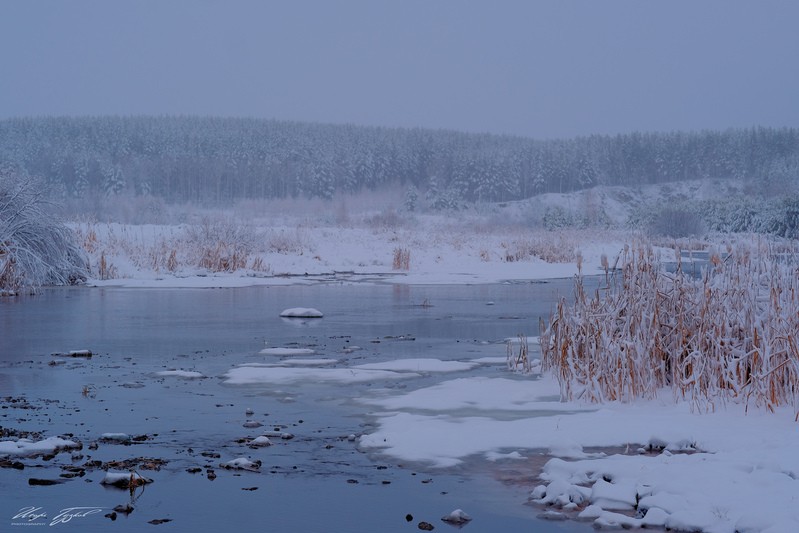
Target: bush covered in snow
(35,247)
(729,335)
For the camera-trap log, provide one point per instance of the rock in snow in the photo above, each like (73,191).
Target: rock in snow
(301,312)
(124,480)
(263,440)
(457,517)
(242,463)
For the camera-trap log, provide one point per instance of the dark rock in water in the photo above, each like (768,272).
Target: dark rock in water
(12,464)
(74,353)
(126,509)
(409,517)
(158,521)
(195,470)
(112,516)
(426,526)
(44,482)
(249,488)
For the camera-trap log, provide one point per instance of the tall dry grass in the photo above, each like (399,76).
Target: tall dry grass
(729,335)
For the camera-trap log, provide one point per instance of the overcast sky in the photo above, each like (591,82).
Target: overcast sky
(542,69)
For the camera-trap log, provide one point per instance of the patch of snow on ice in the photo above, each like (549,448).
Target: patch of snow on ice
(419,365)
(251,375)
(185,374)
(301,312)
(286,351)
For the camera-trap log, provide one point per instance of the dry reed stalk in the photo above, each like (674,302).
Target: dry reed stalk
(402,259)
(519,360)
(727,336)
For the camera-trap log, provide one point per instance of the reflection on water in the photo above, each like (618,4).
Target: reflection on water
(318,481)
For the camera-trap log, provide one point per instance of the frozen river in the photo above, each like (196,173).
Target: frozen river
(317,481)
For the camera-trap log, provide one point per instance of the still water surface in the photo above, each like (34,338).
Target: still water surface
(318,481)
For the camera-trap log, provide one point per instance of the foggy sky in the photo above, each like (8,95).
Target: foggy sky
(542,69)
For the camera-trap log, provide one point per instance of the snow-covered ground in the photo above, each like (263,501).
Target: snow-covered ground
(725,471)
(439,251)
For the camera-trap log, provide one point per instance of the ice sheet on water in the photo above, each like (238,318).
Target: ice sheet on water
(286,351)
(253,375)
(419,365)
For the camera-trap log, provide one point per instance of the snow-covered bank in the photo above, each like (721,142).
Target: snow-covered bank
(427,250)
(723,471)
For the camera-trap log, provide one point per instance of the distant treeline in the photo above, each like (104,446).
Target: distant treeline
(220,160)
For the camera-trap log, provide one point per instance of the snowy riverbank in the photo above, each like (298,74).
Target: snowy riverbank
(430,250)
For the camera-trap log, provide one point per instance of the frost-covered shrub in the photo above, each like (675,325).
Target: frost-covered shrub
(729,336)
(676,222)
(447,199)
(411,199)
(36,249)
(556,217)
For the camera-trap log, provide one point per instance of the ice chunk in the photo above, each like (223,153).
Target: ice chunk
(115,437)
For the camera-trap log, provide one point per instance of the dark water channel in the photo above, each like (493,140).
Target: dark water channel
(319,481)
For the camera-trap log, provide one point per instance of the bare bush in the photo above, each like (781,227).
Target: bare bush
(36,249)
(221,245)
(386,220)
(729,335)
(550,247)
(284,241)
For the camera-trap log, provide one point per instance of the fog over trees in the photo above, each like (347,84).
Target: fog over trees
(216,161)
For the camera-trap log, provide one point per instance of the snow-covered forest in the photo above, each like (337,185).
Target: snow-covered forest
(215,161)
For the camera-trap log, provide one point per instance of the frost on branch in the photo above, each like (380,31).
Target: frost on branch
(36,249)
